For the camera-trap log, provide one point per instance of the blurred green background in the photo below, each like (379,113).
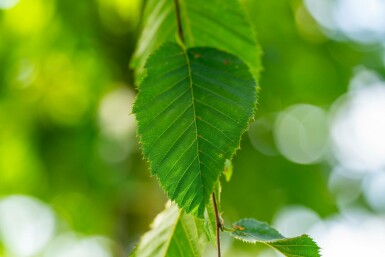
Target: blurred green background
(72,179)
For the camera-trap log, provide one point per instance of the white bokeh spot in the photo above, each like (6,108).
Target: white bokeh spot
(26,225)
(301,133)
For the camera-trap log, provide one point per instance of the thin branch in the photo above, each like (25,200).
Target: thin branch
(178,21)
(218,225)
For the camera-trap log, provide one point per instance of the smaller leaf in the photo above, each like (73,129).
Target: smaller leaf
(253,231)
(228,171)
(297,246)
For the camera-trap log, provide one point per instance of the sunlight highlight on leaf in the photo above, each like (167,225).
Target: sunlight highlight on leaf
(173,233)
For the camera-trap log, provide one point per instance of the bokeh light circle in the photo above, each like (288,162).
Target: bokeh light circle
(301,133)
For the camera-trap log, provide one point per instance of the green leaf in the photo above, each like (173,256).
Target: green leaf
(297,246)
(215,23)
(192,109)
(159,26)
(173,233)
(253,231)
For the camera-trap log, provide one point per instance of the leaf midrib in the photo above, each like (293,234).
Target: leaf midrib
(194,112)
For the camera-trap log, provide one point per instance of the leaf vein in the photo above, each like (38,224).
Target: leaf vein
(218,111)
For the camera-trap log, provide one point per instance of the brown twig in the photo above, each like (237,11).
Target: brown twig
(218,225)
(178,21)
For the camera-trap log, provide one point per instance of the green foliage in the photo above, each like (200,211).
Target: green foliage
(215,23)
(173,233)
(191,111)
(57,80)
(253,231)
(194,103)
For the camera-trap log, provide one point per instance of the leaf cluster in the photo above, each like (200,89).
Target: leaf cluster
(199,63)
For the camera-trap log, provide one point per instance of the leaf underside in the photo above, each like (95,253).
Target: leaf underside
(215,23)
(173,233)
(192,109)
(253,231)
